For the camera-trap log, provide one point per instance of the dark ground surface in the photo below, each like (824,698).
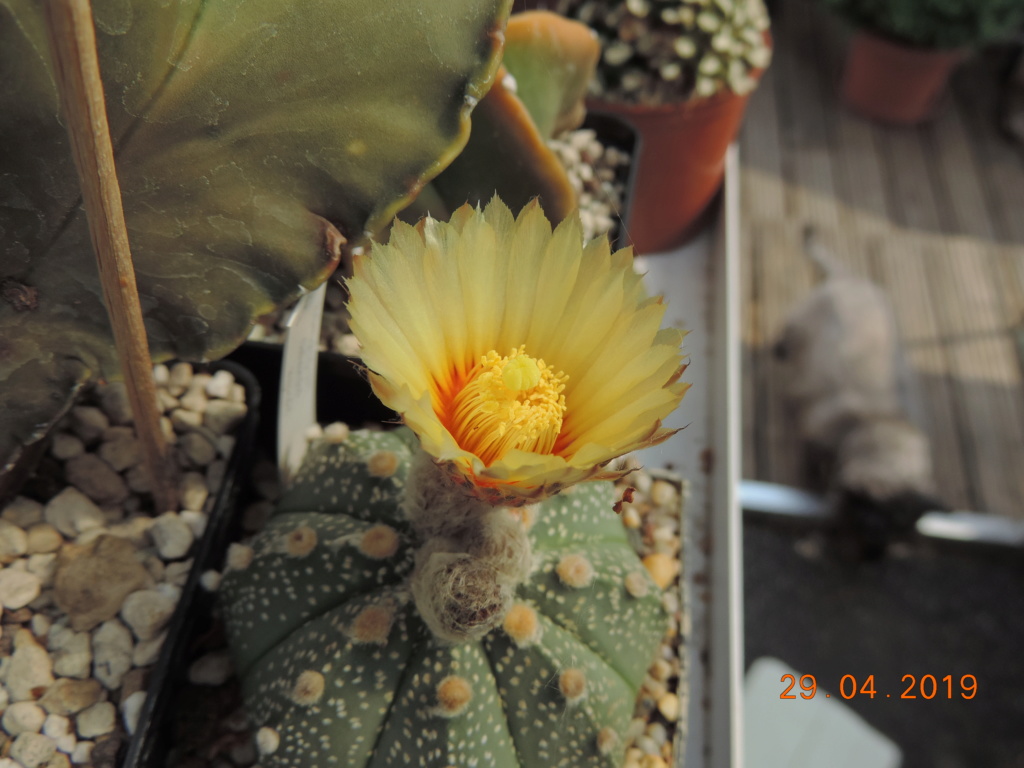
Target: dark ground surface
(950,612)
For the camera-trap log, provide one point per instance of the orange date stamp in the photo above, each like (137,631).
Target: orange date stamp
(913,687)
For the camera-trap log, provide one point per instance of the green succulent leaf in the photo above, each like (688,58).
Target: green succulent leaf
(293,619)
(551,60)
(252,138)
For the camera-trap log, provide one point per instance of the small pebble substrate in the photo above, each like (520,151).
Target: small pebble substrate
(90,573)
(652,518)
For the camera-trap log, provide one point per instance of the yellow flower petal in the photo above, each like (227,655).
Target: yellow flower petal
(524,360)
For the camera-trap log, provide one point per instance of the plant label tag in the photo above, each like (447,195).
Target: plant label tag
(296,412)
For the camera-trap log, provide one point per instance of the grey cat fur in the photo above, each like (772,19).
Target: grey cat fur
(848,385)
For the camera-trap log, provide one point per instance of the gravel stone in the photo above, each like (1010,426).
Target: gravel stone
(211,669)
(92,581)
(195,399)
(192,491)
(18,588)
(23,512)
(147,651)
(40,625)
(31,750)
(130,709)
(98,720)
(59,728)
(111,653)
(147,612)
(138,479)
(180,378)
(30,667)
(224,415)
(215,474)
(196,521)
(135,530)
(88,423)
(197,449)
(66,446)
(115,403)
(23,717)
(44,566)
(72,512)
(96,479)
(172,536)
(82,754)
(42,538)
(185,421)
(68,696)
(71,652)
(176,573)
(121,453)
(220,384)
(13,541)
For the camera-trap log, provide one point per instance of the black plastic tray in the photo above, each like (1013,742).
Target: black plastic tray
(153,737)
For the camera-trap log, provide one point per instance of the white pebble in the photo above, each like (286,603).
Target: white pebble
(13,541)
(130,710)
(72,512)
(211,669)
(23,717)
(148,651)
(176,573)
(23,512)
(82,755)
(32,750)
(30,667)
(196,521)
(220,384)
(18,588)
(71,652)
(172,536)
(40,624)
(147,612)
(224,415)
(112,653)
(210,580)
(58,728)
(66,446)
(98,720)
(192,491)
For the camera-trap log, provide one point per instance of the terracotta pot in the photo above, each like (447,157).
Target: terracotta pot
(678,165)
(895,83)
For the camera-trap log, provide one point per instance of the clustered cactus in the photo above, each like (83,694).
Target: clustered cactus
(663,51)
(379,620)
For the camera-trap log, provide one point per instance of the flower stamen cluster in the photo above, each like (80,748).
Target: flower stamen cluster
(508,402)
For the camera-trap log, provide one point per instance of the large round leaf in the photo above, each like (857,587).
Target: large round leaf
(252,138)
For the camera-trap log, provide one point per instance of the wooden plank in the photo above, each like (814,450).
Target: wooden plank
(987,376)
(902,270)
(784,276)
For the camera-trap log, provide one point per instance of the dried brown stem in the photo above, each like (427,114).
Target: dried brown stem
(73,46)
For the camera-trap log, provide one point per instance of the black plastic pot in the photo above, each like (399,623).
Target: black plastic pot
(150,744)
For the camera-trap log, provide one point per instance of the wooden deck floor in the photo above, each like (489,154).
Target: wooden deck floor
(935,215)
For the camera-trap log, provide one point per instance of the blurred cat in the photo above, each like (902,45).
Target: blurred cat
(846,381)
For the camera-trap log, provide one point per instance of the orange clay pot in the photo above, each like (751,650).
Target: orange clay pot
(896,83)
(678,165)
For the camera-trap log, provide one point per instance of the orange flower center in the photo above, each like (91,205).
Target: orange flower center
(508,402)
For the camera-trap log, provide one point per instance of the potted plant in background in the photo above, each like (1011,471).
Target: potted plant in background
(904,51)
(680,74)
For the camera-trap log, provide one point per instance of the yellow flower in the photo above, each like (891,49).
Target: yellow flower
(523,359)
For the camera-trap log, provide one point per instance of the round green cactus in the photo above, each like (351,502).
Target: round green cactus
(339,667)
